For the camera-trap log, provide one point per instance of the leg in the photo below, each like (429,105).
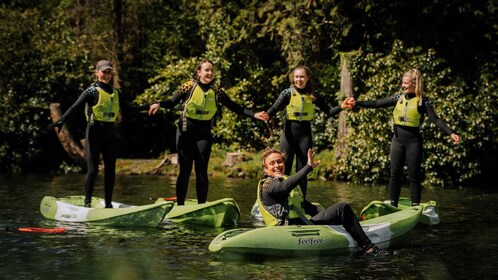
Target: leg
(185,160)
(397,162)
(287,147)
(109,156)
(304,143)
(342,214)
(414,162)
(92,153)
(202,153)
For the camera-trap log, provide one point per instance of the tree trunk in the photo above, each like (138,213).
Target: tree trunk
(73,148)
(347,90)
(118,38)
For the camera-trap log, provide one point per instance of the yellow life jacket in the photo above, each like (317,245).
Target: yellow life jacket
(107,108)
(300,106)
(294,201)
(200,105)
(406,113)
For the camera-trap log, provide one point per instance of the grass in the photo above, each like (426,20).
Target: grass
(249,168)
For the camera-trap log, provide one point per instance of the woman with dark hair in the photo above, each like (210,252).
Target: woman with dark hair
(102,108)
(200,100)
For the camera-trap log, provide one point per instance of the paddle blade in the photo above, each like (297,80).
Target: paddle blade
(45,230)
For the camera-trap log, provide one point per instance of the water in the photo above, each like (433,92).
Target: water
(463,246)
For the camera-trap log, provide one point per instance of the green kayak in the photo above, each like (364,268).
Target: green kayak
(70,209)
(219,213)
(430,210)
(310,240)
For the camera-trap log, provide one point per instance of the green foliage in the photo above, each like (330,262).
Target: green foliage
(368,160)
(49,49)
(47,62)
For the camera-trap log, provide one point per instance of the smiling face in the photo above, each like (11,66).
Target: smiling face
(300,78)
(274,164)
(104,76)
(407,84)
(205,73)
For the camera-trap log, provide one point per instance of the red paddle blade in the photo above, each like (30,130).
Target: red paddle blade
(173,198)
(46,230)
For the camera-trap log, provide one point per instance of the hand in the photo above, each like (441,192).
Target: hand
(154,108)
(348,103)
(57,124)
(262,116)
(455,137)
(311,161)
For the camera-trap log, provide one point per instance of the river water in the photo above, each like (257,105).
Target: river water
(463,246)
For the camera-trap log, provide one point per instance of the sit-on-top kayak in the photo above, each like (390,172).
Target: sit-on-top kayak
(430,210)
(309,240)
(219,213)
(71,209)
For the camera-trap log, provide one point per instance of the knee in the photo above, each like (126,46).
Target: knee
(343,205)
(345,208)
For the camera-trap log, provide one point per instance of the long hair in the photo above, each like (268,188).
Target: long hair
(198,67)
(416,77)
(310,86)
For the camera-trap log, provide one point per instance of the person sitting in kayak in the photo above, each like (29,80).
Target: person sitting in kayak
(281,202)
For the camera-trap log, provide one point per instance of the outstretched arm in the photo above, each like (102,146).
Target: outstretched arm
(83,97)
(262,116)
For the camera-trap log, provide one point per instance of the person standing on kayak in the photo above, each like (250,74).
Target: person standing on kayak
(406,144)
(299,101)
(200,100)
(102,109)
(281,202)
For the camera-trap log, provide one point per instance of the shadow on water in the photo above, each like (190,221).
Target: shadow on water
(462,246)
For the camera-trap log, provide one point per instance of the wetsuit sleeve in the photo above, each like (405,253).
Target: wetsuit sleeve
(88,95)
(379,103)
(325,107)
(178,95)
(234,107)
(286,186)
(280,103)
(435,118)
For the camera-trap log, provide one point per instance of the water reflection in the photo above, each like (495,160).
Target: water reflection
(461,247)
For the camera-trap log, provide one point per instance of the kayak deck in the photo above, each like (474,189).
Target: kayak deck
(430,211)
(71,209)
(309,240)
(219,213)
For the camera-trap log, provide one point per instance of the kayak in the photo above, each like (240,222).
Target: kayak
(71,209)
(312,240)
(219,213)
(430,210)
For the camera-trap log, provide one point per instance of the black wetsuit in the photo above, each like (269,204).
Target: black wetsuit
(296,138)
(194,144)
(276,192)
(406,145)
(101,138)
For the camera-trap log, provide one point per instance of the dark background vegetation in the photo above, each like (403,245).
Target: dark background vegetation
(49,49)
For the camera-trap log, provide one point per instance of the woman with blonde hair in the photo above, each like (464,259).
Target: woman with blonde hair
(410,107)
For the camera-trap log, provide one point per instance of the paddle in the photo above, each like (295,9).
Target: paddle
(45,230)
